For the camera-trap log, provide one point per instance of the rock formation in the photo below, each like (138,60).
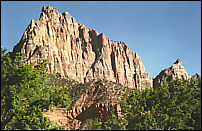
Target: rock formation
(196,76)
(100,94)
(80,53)
(84,55)
(175,71)
(90,100)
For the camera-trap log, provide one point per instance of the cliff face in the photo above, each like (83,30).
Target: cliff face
(80,53)
(175,71)
(90,100)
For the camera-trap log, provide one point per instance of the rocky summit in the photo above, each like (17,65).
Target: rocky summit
(175,71)
(80,53)
(196,76)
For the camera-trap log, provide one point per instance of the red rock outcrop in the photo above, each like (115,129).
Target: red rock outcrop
(90,100)
(99,95)
(175,71)
(80,53)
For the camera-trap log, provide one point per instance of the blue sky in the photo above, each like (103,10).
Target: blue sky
(159,32)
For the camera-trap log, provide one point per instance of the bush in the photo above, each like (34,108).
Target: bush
(26,93)
(174,105)
(111,123)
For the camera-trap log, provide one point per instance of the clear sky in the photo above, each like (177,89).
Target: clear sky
(159,32)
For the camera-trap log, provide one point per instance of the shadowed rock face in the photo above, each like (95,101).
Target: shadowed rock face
(80,53)
(175,71)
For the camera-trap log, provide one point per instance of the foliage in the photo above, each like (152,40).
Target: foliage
(174,105)
(112,123)
(61,97)
(26,93)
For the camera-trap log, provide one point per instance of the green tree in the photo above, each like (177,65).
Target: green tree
(174,105)
(110,123)
(26,93)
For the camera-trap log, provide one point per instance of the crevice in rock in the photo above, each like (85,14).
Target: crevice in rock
(35,50)
(83,44)
(113,63)
(96,48)
(125,47)
(83,55)
(47,28)
(126,80)
(135,79)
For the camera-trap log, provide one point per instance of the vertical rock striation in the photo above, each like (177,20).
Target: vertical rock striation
(80,53)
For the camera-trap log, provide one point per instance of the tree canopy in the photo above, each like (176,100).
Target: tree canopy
(174,105)
(27,91)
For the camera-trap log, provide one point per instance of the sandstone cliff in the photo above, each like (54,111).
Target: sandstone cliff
(80,53)
(175,71)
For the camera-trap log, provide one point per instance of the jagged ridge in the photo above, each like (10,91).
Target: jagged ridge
(80,53)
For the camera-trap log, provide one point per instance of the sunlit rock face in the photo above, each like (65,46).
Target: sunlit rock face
(196,76)
(175,71)
(80,53)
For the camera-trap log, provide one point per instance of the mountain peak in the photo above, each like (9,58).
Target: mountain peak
(196,76)
(177,70)
(75,51)
(178,61)
(49,12)
(48,8)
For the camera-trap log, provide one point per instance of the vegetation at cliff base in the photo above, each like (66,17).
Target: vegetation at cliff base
(173,106)
(27,91)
